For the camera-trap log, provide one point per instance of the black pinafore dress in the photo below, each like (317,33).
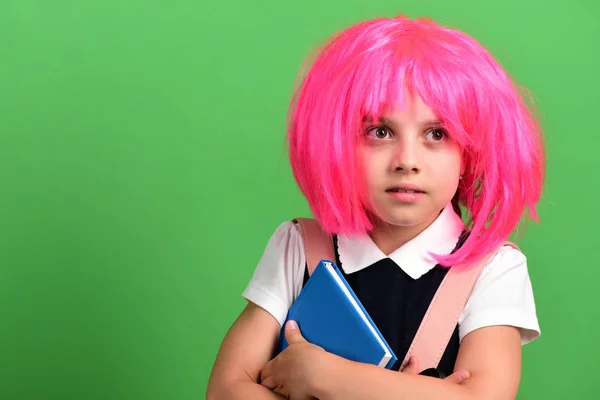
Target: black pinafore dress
(397,304)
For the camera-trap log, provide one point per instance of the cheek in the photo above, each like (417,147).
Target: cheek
(369,166)
(448,171)
(452,158)
(450,167)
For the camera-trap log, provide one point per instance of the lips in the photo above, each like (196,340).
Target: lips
(407,188)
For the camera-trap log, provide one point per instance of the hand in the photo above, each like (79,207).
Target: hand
(291,373)
(458,377)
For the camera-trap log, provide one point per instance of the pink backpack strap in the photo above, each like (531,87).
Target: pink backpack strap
(318,244)
(443,314)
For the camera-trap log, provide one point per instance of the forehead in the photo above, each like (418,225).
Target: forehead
(410,110)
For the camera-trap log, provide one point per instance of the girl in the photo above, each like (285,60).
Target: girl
(396,128)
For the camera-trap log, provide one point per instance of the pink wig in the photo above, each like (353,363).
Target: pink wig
(363,70)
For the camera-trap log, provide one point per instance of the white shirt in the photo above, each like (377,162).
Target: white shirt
(503,294)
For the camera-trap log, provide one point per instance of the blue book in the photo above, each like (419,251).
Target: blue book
(330,315)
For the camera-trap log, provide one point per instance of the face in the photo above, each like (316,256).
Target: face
(411,166)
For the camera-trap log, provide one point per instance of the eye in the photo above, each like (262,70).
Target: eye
(379,132)
(437,134)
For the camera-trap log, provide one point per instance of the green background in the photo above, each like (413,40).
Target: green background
(143,170)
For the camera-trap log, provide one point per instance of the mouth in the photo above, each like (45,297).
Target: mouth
(404,189)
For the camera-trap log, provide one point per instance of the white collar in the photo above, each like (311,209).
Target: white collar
(413,257)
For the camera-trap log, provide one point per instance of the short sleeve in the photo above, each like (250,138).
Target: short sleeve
(503,295)
(277,278)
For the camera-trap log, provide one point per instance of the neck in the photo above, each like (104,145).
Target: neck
(389,237)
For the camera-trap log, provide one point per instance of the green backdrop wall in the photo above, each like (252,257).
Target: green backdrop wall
(142,171)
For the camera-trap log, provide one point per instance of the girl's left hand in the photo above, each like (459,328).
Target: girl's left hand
(293,372)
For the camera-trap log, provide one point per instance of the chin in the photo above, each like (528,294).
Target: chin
(408,218)
(398,220)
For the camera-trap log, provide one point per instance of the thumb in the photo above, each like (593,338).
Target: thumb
(412,367)
(292,333)
(459,376)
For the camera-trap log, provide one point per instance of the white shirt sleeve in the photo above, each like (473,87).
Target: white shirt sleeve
(277,279)
(503,295)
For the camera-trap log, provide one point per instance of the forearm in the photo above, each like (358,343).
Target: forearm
(347,380)
(241,389)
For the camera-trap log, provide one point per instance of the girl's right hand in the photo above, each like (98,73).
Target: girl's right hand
(412,367)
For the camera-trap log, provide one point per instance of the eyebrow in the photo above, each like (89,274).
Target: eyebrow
(386,121)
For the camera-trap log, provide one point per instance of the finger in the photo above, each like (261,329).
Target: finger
(266,371)
(280,390)
(269,383)
(292,333)
(459,376)
(412,367)
(300,396)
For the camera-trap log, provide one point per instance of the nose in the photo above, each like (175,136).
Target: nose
(406,155)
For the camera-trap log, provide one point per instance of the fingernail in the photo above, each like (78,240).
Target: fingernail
(464,375)
(292,325)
